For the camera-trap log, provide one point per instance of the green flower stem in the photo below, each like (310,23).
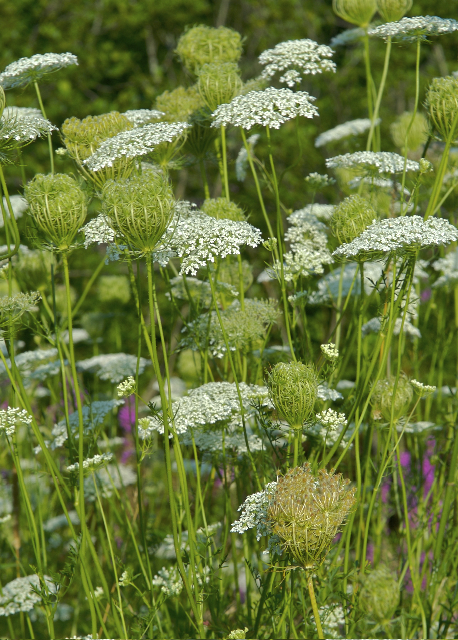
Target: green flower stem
(8,220)
(242,409)
(224,150)
(450,493)
(380,93)
(316,615)
(412,120)
(297,438)
(113,561)
(256,182)
(266,589)
(40,102)
(369,79)
(204,179)
(151,345)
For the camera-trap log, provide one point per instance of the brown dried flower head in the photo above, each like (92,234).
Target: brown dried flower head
(307,512)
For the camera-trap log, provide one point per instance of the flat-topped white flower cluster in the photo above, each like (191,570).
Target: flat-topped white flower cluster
(25,70)
(345,130)
(306,55)
(373,161)
(412,29)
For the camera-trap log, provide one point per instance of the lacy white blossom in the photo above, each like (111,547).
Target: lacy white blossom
(30,362)
(349,36)
(242,158)
(373,162)
(19,206)
(25,70)
(323,212)
(19,112)
(332,619)
(416,427)
(91,464)
(254,512)
(350,128)
(372,181)
(198,239)
(11,418)
(169,580)
(330,351)
(127,387)
(113,366)
(268,108)
(422,389)
(16,132)
(397,235)
(413,29)
(18,594)
(136,142)
(325,393)
(140,117)
(374,325)
(98,231)
(306,55)
(448,266)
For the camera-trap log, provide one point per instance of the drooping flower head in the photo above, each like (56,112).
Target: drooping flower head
(413,29)
(295,57)
(392,396)
(26,70)
(268,108)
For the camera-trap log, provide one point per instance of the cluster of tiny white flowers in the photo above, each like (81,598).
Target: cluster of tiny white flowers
(349,36)
(422,389)
(254,512)
(398,234)
(91,464)
(331,420)
(325,392)
(332,619)
(11,418)
(350,128)
(140,117)
(374,325)
(125,579)
(198,239)
(449,268)
(413,29)
(372,181)
(98,231)
(268,108)
(321,211)
(169,580)
(24,129)
(319,180)
(373,161)
(28,360)
(136,142)
(330,351)
(113,366)
(328,427)
(242,158)
(306,55)
(127,387)
(25,70)
(18,594)
(18,204)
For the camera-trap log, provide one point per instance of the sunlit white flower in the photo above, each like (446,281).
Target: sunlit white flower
(330,351)
(127,387)
(11,418)
(413,29)
(350,128)
(136,142)
(18,131)
(373,162)
(310,211)
(397,235)
(91,464)
(140,117)
(268,108)
(18,204)
(448,266)
(254,512)
(25,70)
(305,55)
(18,595)
(169,580)
(422,389)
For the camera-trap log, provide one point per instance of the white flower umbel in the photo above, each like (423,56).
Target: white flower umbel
(140,117)
(254,512)
(296,57)
(242,158)
(127,387)
(413,29)
(19,131)
(382,183)
(330,351)
(422,389)
(27,70)
(18,595)
(11,418)
(134,143)
(18,204)
(19,112)
(98,231)
(268,108)
(396,235)
(328,427)
(322,212)
(350,128)
(92,464)
(373,162)
(198,239)
(169,580)
(448,266)
(349,36)
(374,325)
(113,366)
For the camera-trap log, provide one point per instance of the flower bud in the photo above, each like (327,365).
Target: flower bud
(293,391)
(179,104)
(223,209)
(357,12)
(202,45)
(139,208)
(442,104)
(82,137)
(58,206)
(218,83)
(387,401)
(380,594)
(418,131)
(351,217)
(393,10)
(307,511)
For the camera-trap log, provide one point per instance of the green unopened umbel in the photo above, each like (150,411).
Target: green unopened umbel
(351,217)
(203,45)
(218,83)
(393,10)
(293,391)
(442,104)
(357,12)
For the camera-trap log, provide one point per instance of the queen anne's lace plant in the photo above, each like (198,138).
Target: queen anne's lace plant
(268,108)
(413,29)
(330,351)
(349,36)
(448,266)
(350,128)
(254,514)
(19,206)
(422,389)
(374,325)
(18,130)
(373,162)
(169,580)
(242,158)
(26,70)
(328,427)
(381,183)
(137,142)
(397,235)
(307,56)
(11,418)
(127,387)
(98,231)
(140,117)
(92,464)
(323,212)
(324,392)
(19,596)
(113,366)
